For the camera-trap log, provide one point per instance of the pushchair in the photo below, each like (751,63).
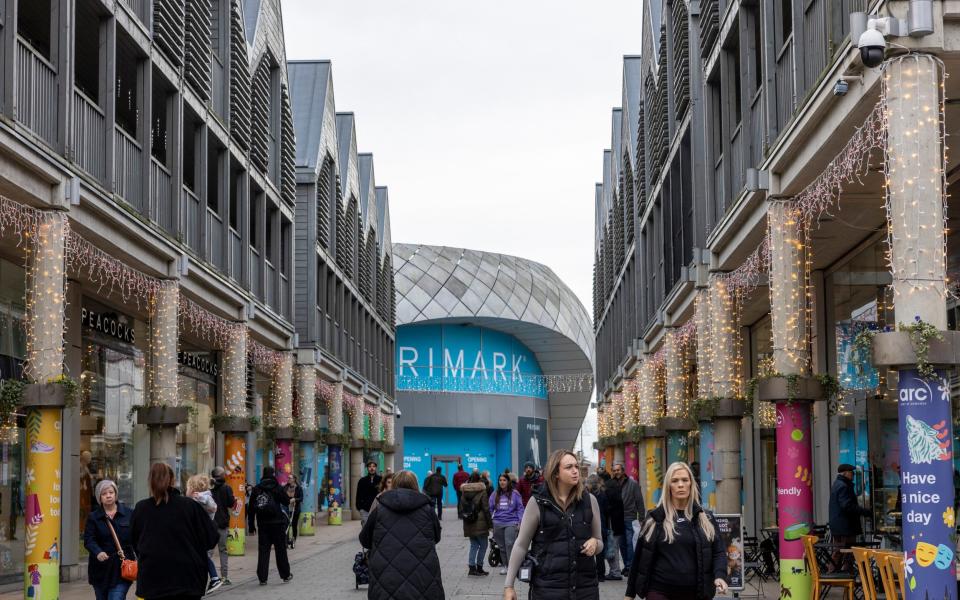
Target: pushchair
(493,558)
(361,568)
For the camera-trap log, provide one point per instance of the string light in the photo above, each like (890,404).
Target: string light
(389,437)
(235,372)
(45,300)
(725,361)
(616,412)
(789,288)
(332,394)
(164,339)
(306,397)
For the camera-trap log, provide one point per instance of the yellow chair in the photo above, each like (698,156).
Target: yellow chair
(895,560)
(862,557)
(825,580)
(886,573)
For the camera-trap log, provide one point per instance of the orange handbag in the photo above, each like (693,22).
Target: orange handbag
(128,568)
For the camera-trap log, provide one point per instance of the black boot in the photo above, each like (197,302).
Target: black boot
(473,571)
(480,570)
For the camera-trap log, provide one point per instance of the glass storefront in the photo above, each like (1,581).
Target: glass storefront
(197,389)
(113,384)
(12,356)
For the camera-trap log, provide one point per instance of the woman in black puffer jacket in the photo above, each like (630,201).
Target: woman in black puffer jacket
(679,553)
(401,533)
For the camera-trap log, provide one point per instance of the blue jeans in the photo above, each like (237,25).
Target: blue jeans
(211,568)
(438,502)
(626,543)
(117,592)
(478,549)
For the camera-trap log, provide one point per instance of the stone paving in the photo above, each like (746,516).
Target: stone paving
(322,564)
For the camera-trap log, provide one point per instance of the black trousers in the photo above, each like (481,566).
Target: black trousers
(295,528)
(274,535)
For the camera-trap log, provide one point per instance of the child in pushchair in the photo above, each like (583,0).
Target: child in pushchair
(494,559)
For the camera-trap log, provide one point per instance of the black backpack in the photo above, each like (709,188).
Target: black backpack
(265,505)
(470,511)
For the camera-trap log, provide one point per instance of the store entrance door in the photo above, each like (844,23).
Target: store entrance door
(448,466)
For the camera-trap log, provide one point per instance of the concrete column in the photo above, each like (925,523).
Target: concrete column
(164,333)
(912,90)
(44,412)
(388,461)
(236,451)
(283,416)
(724,384)
(356,471)
(235,373)
(788,315)
(307,396)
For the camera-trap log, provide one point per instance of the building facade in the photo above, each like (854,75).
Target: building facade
(751,230)
(194,251)
(493,361)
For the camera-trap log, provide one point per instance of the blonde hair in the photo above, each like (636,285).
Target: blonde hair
(198,483)
(667,504)
(551,476)
(406,479)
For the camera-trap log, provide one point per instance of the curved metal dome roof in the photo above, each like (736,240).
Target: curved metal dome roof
(517,296)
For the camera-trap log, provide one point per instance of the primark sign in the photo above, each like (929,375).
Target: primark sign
(466,359)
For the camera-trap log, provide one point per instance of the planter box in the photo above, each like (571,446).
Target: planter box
(283,433)
(676,424)
(730,407)
(335,439)
(646,431)
(44,395)
(894,349)
(162,415)
(232,425)
(388,449)
(308,436)
(777,389)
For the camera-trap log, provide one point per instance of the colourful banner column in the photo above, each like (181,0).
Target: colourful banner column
(334,485)
(926,478)
(677,447)
(321,478)
(631,460)
(794,493)
(708,485)
(608,456)
(235,453)
(283,460)
(653,469)
(42,508)
(308,479)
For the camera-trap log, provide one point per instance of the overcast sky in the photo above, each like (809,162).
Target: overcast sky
(487,120)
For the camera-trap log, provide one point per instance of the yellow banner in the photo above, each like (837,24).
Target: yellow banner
(42,507)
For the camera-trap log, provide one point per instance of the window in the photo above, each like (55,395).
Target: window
(214,158)
(128,84)
(236,197)
(160,117)
(255,220)
(272,218)
(34,25)
(86,68)
(784,16)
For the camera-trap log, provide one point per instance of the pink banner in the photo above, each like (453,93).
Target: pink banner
(283,460)
(630,460)
(794,492)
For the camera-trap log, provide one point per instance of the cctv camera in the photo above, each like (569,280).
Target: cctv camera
(872,48)
(840,88)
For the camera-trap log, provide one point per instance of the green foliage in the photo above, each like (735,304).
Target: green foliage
(11,397)
(921,333)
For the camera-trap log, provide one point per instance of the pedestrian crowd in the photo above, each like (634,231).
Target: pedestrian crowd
(551,529)
(166,543)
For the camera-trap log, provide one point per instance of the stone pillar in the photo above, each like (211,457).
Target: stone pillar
(708,485)
(164,334)
(915,195)
(43,405)
(356,472)
(235,424)
(283,415)
(788,314)
(724,384)
(306,393)
(676,423)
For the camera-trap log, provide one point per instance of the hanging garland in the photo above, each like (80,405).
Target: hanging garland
(206,325)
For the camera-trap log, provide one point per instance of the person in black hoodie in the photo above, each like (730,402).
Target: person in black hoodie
(401,533)
(223,496)
(679,553)
(171,535)
(367,489)
(267,502)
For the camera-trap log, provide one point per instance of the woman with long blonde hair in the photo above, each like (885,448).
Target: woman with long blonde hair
(679,554)
(563,524)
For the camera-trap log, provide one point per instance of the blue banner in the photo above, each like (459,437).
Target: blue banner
(926,478)
(334,484)
(466,359)
(708,485)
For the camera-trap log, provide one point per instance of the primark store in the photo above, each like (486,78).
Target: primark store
(493,360)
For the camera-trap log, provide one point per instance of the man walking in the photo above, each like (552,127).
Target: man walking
(459,478)
(367,489)
(266,511)
(433,486)
(845,513)
(633,511)
(223,496)
(527,484)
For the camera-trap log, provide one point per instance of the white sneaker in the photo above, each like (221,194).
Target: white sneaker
(503,571)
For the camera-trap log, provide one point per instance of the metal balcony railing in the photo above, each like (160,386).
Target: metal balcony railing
(128,168)
(89,141)
(36,104)
(191,221)
(161,195)
(784,84)
(141,8)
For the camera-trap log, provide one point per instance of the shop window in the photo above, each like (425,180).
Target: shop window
(12,355)
(197,384)
(112,383)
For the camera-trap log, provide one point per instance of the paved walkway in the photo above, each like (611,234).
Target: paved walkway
(322,564)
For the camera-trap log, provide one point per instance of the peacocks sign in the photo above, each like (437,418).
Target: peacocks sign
(926,478)
(466,359)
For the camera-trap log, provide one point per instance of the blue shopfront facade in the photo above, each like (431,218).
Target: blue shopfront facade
(467,394)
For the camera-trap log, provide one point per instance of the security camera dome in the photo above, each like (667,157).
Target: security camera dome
(872,47)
